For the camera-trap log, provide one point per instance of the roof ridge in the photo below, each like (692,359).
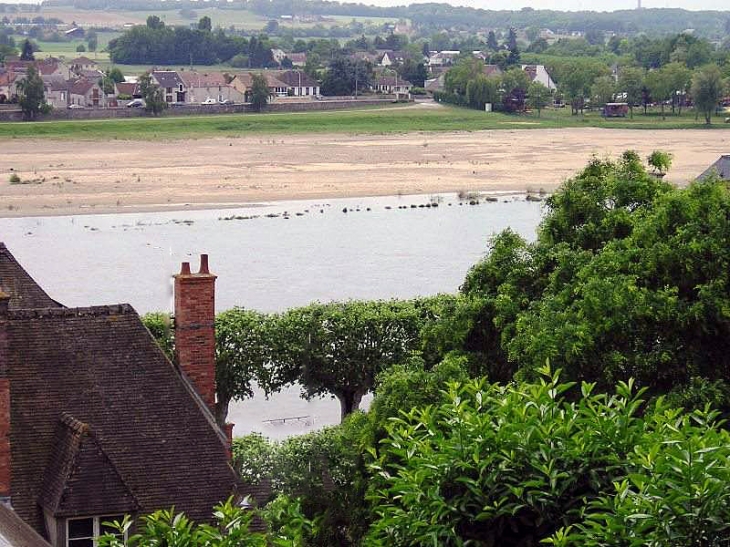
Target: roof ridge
(88,311)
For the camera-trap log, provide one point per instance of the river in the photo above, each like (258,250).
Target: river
(268,257)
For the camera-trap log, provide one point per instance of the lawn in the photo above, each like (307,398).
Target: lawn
(376,120)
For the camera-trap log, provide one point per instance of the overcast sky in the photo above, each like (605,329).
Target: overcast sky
(571,5)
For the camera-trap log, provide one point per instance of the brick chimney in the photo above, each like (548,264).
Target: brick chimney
(5,455)
(195,328)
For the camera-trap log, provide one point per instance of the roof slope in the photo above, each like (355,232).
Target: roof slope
(80,478)
(23,290)
(102,366)
(16,533)
(721,167)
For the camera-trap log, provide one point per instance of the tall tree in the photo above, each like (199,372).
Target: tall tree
(259,92)
(26,53)
(602,91)
(155,23)
(630,83)
(707,89)
(153,96)
(538,96)
(31,93)
(492,41)
(205,24)
(660,86)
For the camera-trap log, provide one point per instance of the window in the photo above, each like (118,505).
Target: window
(84,531)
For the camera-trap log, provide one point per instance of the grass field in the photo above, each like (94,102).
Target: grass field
(377,120)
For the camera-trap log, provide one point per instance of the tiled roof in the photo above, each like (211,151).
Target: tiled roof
(82,86)
(83,61)
(293,78)
(297,57)
(392,81)
(101,366)
(200,79)
(127,88)
(492,70)
(14,532)
(80,478)
(271,81)
(721,167)
(23,290)
(167,78)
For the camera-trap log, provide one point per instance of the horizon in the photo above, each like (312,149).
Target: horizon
(565,6)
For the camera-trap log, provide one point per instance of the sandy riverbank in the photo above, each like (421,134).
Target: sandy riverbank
(69,177)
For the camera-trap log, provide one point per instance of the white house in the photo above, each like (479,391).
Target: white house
(538,73)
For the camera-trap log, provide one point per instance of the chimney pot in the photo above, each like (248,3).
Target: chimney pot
(204,264)
(185,270)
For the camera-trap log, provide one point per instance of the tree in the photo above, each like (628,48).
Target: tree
(631,82)
(153,96)
(707,89)
(515,83)
(115,75)
(243,353)
(481,91)
(575,85)
(514,52)
(155,23)
(341,347)
(344,76)
(680,79)
(160,327)
(259,92)
(538,96)
(27,50)
(92,40)
(492,41)
(80,48)
(205,24)
(31,94)
(602,91)
(660,161)
(660,86)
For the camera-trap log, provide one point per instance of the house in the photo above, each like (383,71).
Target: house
(127,89)
(14,532)
(721,168)
(299,83)
(538,73)
(392,84)
(243,82)
(171,84)
(86,93)
(56,90)
(492,70)
(8,89)
(298,59)
(83,63)
(209,85)
(442,58)
(96,422)
(436,84)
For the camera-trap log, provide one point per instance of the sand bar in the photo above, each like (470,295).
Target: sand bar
(80,177)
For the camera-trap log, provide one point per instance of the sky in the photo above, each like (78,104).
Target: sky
(565,5)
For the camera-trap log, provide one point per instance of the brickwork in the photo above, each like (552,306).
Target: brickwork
(5,456)
(195,328)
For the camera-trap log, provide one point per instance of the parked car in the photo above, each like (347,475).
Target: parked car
(209,101)
(226,101)
(75,106)
(135,103)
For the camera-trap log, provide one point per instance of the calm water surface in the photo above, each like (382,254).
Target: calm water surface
(267,263)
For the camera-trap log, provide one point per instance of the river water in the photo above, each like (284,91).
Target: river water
(269,257)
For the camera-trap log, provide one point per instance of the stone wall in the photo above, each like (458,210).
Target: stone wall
(196,110)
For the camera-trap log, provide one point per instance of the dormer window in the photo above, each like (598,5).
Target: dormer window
(84,532)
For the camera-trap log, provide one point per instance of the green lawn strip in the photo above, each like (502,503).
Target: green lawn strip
(377,120)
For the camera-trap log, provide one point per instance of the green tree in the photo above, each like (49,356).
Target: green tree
(31,94)
(660,86)
(680,78)
(707,89)
(482,90)
(630,83)
(602,91)
(155,23)
(160,326)
(538,96)
(153,96)
(81,48)
(27,51)
(92,40)
(205,24)
(492,41)
(115,75)
(340,347)
(243,353)
(259,92)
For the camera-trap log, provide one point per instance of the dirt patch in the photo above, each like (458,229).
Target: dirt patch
(124,176)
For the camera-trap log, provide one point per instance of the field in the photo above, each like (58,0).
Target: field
(229,166)
(381,120)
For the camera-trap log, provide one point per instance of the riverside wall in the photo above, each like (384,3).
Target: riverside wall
(15,115)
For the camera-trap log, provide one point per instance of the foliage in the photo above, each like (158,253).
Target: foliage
(344,75)
(707,89)
(27,50)
(340,347)
(538,96)
(31,94)
(153,96)
(660,161)
(243,351)
(631,82)
(533,463)
(160,326)
(259,92)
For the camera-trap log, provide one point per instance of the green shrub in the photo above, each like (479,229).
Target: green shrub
(533,463)
(15,179)
(418,91)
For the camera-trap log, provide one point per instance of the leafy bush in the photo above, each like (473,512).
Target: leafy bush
(526,463)
(418,91)
(15,179)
